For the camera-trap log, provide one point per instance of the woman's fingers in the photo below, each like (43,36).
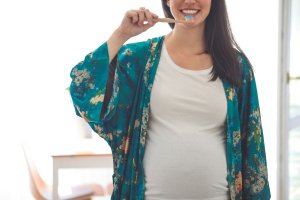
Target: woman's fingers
(137,21)
(133,16)
(154,16)
(141,16)
(149,17)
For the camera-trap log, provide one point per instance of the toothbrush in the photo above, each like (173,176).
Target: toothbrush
(169,20)
(188,17)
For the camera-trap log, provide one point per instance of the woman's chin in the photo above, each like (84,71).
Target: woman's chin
(193,23)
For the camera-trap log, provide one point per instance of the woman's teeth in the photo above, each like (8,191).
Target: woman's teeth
(190,12)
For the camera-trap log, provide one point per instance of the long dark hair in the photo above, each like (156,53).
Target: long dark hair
(220,42)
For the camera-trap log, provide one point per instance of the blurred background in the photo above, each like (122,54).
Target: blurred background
(42,40)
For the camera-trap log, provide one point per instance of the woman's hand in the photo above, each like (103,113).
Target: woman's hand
(136,22)
(133,24)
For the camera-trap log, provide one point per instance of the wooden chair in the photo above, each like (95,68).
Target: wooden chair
(42,191)
(109,189)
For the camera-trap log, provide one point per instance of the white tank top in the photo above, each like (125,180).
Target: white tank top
(185,154)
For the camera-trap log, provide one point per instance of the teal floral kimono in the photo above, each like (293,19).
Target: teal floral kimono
(114,99)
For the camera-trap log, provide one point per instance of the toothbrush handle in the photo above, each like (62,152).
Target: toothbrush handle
(169,20)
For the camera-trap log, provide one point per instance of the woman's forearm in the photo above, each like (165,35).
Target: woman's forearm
(114,43)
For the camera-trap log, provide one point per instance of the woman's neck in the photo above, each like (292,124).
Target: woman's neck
(188,40)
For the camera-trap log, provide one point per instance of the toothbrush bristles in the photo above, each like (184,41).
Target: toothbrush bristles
(188,17)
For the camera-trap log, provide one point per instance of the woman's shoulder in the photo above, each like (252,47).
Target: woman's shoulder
(137,52)
(245,65)
(141,45)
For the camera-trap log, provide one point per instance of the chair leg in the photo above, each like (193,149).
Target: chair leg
(109,189)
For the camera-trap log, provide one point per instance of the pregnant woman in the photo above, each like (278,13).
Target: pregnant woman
(179,111)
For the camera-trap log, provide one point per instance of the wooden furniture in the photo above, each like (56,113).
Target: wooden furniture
(83,153)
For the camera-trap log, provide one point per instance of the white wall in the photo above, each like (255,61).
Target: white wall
(42,40)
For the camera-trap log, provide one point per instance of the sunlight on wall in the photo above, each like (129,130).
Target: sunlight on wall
(43,40)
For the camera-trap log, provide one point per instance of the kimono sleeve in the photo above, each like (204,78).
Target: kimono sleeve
(88,90)
(255,173)
(103,92)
